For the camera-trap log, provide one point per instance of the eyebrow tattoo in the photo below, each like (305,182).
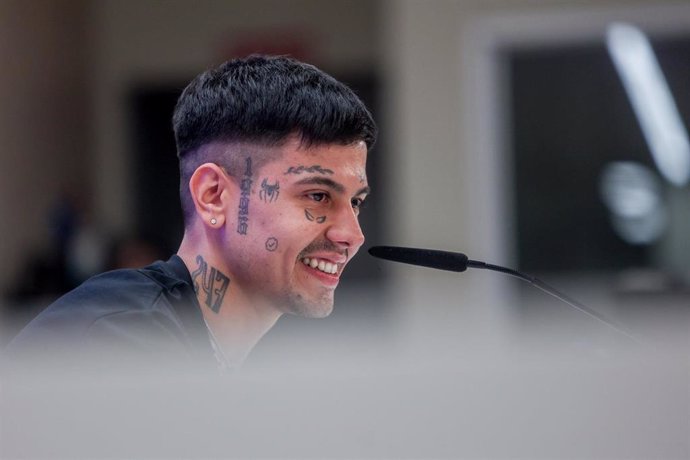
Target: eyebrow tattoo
(311,169)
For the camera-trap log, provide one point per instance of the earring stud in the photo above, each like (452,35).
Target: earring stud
(213,221)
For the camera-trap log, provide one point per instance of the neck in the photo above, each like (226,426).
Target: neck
(237,321)
(236,328)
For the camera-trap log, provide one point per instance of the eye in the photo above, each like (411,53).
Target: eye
(318,196)
(357,203)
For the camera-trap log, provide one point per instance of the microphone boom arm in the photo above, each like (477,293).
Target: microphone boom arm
(539,284)
(458,262)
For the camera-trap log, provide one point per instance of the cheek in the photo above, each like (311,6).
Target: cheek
(287,221)
(277,231)
(288,229)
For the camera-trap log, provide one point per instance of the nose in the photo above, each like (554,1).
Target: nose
(345,230)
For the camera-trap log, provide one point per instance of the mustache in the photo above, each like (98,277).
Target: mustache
(323,245)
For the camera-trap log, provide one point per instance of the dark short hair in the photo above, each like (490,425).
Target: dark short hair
(264,100)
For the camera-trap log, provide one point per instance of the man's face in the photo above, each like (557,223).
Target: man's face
(296,226)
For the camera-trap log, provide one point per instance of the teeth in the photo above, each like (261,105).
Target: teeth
(322,265)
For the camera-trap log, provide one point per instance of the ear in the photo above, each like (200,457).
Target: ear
(211,190)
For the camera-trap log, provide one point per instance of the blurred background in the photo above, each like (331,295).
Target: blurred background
(513,131)
(548,136)
(509,132)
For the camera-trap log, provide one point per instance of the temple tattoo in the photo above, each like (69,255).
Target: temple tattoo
(310,169)
(310,217)
(213,283)
(245,191)
(271,244)
(269,192)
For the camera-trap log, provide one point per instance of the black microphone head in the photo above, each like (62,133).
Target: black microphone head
(442,260)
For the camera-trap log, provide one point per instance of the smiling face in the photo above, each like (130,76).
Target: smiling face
(296,226)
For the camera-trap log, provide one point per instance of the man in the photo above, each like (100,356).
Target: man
(272,175)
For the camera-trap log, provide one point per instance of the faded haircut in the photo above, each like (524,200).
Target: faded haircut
(262,101)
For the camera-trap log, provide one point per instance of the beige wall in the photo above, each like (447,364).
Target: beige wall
(67,66)
(174,40)
(44,127)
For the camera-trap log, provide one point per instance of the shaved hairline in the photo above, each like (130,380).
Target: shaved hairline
(231,156)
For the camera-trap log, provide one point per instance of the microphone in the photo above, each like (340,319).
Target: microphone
(458,262)
(442,260)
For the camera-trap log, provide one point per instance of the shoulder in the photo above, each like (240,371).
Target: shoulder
(131,307)
(103,295)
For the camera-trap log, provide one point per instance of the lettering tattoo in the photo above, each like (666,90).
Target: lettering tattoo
(213,283)
(269,192)
(310,169)
(271,244)
(245,191)
(310,217)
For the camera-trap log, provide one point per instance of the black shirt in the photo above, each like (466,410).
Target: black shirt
(148,316)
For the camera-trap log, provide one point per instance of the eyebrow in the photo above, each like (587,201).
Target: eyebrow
(338,187)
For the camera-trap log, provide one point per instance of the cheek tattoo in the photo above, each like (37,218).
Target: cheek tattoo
(214,284)
(271,244)
(310,217)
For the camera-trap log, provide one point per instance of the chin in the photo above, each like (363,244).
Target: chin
(310,309)
(322,312)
